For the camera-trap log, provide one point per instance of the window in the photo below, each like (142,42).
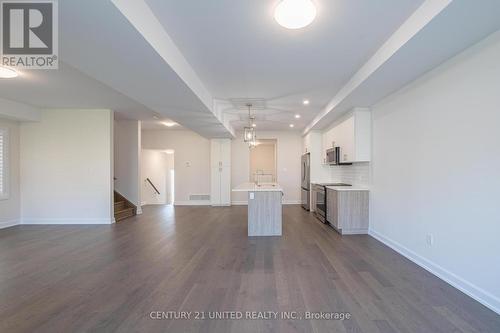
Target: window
(4,154)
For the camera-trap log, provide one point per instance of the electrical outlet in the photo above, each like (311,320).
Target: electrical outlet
(430,239)
(252,195)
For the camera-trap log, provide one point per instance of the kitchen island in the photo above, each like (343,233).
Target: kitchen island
(264,208)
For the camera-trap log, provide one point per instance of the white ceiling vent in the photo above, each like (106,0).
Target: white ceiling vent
(242,103)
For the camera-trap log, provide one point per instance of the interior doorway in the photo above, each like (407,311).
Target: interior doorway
(158,177)
(263,161)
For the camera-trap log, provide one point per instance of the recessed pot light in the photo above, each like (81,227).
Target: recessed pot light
(297,116)
(169,124)
(295,14)
(254,125)
(7,73)
(292,125)
(305,102)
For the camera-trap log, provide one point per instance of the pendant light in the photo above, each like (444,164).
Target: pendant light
(249,135)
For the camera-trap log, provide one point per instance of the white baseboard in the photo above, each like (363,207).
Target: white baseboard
(69,221)
(286,202)
(8,223)
(239,203)
(193,203)
(482,296)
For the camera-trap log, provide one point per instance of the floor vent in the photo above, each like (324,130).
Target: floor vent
(198,197)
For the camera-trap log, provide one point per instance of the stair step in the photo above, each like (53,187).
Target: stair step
(124,213)
(119,205)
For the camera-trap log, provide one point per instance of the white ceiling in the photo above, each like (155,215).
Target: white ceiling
(239,51)
(187,60)
(68,88)
(154,124)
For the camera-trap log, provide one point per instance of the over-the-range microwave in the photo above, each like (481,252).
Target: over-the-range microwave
(333,156)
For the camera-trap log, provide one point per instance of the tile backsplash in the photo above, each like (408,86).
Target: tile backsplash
(356,174)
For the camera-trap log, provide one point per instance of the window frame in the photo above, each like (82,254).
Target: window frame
(6,163)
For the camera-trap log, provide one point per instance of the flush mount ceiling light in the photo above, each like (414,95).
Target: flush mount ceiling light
(295,14)
(7,73)
(297,116)
(169,124)
(292,125)
(305,102)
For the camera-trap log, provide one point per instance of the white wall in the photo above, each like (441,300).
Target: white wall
(191,161)
(436,165)
(66,168)
(156,165)
(312,143)
(127,160)
(10,208)
(289,151)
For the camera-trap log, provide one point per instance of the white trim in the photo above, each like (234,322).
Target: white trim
(193,203)
(138,211)
(5,195)
(68,221)
(239,203)
(482,296)
(8,223)
(245,202)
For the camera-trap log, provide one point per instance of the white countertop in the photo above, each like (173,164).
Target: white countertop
(348,188)
(262,187)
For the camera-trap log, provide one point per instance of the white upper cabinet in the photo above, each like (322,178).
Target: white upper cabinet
(353,135)
(220,152)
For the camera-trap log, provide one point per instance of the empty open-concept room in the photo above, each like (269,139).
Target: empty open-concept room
(250,166)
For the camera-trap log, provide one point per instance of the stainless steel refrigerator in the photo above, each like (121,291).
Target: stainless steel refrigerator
(306,181)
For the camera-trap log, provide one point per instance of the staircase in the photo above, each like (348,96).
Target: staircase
(123,208)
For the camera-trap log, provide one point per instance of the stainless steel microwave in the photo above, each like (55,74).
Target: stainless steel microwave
(333,155)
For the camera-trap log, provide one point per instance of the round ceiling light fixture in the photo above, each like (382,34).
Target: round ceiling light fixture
(7,73)
(295,14)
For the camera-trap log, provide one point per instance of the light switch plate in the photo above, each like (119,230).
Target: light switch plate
(252,195)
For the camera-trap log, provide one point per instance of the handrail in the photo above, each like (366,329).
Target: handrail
(150,183)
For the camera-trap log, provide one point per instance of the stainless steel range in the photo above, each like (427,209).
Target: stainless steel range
(320,200)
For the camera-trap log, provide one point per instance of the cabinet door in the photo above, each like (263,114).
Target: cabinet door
(225,186)
(332,208)
(215,197)
(215,153)
(225,152)
(346,140)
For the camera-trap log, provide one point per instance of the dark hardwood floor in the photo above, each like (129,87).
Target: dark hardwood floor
(110,278)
